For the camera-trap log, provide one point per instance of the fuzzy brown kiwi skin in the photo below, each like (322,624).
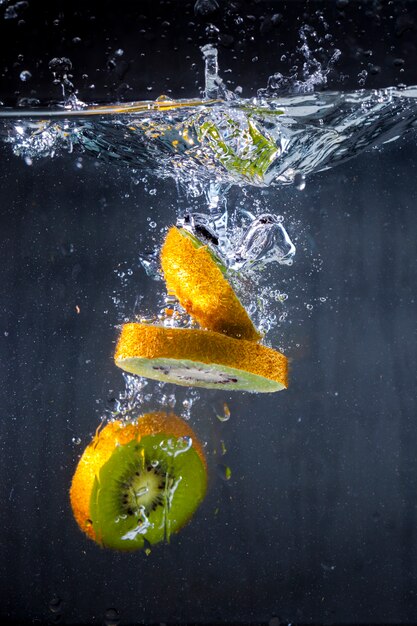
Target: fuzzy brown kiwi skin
(198,244)
(201,288)
(193,346)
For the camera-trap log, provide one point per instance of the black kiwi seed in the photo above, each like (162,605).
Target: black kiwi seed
(125,517)
(127,485)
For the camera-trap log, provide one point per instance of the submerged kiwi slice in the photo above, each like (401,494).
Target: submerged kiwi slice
(137,484)
(196,278)
(257,150)
(200,358)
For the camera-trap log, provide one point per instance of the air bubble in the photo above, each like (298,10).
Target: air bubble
(25,76)
(111,617)
(76,441)
(300,181)
(225,415)
(224,472)
(205,7)
(55,605)
(362,76)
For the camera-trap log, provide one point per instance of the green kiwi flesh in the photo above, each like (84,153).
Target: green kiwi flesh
(146,491)
(197,374)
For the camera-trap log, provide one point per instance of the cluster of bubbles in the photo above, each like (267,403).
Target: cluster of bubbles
(141,396)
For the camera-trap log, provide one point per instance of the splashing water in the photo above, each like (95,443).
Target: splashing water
(286,133)
(263,141)
(265,239)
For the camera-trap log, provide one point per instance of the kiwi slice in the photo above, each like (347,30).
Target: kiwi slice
(200,358)
(146,491)
(196,278)
(257,150)
(134,487)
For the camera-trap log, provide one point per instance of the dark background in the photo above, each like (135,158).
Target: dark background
(160,41)
(318,523)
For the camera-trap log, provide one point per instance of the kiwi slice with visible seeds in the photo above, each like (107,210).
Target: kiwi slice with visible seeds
(146,491)
(196,278)
(139,482)
(200,358)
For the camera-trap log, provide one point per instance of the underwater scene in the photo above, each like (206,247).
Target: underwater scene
(208,319)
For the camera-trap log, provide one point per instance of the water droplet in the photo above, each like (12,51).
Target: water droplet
(300,181)
(211,73)
(60,64)
(362,76)
(25,76)
(328,568)
(111,617)
(224,472)
(12,12)
(171,400)
(265,240)
(226,414)
(374,69)
(55,605)
(205,7)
